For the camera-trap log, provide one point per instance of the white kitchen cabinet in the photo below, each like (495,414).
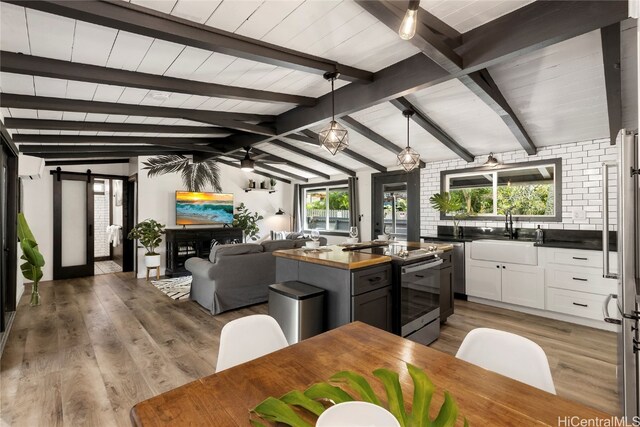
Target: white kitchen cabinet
(484,279)
(511,283)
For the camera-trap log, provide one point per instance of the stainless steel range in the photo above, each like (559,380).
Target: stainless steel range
(416,287)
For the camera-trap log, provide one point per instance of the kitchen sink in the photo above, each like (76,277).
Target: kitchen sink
(509,251)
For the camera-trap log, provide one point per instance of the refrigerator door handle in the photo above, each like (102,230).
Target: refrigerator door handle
(606,273)
(605,310)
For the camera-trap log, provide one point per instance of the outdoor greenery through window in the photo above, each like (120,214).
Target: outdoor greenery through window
(326,208)
(523,191)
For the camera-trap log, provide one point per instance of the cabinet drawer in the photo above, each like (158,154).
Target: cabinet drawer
(369,279)
(580,279)
(578,257)
(578,303)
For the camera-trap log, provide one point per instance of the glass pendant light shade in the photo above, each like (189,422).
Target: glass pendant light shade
(408,158)
(410,21)
(334,137)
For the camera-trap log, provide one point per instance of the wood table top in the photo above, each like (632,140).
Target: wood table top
(484,398)
(348,260)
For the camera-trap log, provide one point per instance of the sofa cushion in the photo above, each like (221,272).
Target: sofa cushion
(276,245)
(219,251)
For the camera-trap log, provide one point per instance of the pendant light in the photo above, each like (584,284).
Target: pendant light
(247,164)
(491,162)
(333,137)
(410,21)
(408,158)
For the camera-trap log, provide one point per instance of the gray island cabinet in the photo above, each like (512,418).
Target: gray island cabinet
(358,285)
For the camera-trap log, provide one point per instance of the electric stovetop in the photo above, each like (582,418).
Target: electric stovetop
(401,252)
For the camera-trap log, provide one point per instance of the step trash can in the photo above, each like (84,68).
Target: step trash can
(298,308)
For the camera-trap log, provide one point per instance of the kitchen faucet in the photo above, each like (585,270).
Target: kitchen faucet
(508,226)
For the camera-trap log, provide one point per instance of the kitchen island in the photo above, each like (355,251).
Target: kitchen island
(359,285)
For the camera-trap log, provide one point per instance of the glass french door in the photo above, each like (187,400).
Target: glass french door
(4,249)
(73,223)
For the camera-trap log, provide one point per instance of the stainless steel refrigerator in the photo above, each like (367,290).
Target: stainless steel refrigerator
(627,187)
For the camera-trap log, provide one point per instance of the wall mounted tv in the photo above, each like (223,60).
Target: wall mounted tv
(203,208)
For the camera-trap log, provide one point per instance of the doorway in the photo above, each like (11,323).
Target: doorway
(396,205)
(108,216)
(8,232)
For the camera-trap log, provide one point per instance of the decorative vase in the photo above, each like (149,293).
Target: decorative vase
(152,260)
(35,295)
(456,230)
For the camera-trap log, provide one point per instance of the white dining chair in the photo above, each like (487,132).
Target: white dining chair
(508,354)
(248,338)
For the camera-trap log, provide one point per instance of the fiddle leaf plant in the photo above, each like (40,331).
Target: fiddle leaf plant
(247,221)
(149,233)
(309,404)
(33,259)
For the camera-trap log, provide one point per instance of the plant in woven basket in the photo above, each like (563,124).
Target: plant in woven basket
(195,175)
(296,407)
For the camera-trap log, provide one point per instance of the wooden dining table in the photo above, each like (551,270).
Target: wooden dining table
(483,397)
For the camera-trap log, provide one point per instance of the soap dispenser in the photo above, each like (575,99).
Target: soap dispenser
(539,235)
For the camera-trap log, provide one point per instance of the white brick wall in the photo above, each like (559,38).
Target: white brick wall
(101,222)
(581,185)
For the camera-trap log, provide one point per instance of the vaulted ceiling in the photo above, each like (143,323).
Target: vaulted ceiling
(117,79)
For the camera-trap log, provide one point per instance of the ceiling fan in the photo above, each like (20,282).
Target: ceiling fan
(249,161)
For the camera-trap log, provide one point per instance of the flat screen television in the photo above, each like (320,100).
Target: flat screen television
(203,208)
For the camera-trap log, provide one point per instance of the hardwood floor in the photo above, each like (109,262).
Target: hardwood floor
(96,346)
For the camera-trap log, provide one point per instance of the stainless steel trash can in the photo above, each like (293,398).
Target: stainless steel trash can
(298,308)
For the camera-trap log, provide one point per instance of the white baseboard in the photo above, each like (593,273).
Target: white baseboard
(549,314)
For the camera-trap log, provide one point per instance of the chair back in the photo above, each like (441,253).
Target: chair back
(248,338)
(508,354)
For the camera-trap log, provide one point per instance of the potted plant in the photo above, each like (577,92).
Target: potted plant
(247,221)
(33,259)
(149,233)
(263,185)
(444,203)
(273,182)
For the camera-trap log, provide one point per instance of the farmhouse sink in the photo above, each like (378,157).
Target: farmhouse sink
(509,251)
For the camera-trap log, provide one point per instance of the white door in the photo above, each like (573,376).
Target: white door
(523,285)
(484,279)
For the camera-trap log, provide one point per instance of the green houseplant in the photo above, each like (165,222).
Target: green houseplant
(33,259)
(444,203)
(149,233)
(247,221)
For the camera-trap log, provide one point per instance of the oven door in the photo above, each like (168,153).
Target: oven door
(419,295)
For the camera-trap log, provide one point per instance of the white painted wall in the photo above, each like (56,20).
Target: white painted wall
(38,207)
(156,199)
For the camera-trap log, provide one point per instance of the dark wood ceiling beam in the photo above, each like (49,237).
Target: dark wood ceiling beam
(150,23)
(38,66)
(97,155)
(85,162)
(372,136)
(350,153)
(40,124)
(103,139)
(237,166)
(292,164)
(534,26)
(610,37)
(427,124)
(145,149)
(290,147)
(219,118)
(281,172)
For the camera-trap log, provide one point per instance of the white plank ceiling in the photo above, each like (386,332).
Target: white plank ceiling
(557,92)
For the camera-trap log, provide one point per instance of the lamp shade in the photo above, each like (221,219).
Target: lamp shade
(491,161)
(334,137)
(247,164)
(409,159)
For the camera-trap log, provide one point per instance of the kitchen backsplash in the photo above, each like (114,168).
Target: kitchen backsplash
(581,186)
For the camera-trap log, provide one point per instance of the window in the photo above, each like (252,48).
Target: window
(326,207)
(527,190)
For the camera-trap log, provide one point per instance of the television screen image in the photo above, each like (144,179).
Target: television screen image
(203,208)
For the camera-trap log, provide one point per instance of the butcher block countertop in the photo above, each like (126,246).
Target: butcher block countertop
(347,260)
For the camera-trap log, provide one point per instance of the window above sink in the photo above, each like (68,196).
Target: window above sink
(530,191)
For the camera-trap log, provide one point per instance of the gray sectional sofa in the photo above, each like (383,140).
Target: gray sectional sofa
(235,276)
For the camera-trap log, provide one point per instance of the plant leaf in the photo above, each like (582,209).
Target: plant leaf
(24,232)
(466,422)
(196,176)
(358,384)
(326,391)
(164,164)
(276,410)
(448,412)
(297,398)
(394,394)
(256,423)
(423,390)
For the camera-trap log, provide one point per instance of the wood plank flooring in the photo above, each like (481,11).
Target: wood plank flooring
(96,346)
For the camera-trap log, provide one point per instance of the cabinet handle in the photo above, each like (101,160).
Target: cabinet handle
(580,258)
(420,276)
(580,279)
(504,266)
(375,279)
(580,305)
(497,266)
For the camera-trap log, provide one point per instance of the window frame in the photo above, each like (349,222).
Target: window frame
(556,163)
(326,186)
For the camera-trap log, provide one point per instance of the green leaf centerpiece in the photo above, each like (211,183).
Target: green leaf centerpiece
(296,407)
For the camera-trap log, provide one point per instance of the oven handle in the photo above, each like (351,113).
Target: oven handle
(422,266)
